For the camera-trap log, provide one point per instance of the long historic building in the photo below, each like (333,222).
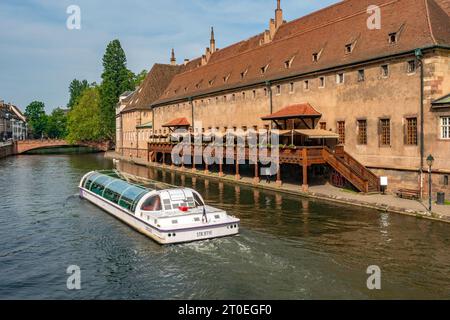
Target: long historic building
(13,124)
(374,73)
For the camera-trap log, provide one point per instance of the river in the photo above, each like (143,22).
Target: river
(288,248)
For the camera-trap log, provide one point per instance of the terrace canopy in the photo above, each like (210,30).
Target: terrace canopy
(177,123)
(304,112)
(148,125)
(443,102)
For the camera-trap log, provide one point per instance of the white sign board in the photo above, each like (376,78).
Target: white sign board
(383,181)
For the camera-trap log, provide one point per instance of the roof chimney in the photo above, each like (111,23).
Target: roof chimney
(278,15)
(212,41)
(186,61)
(173,60)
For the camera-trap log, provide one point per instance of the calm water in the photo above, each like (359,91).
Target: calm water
(289,247)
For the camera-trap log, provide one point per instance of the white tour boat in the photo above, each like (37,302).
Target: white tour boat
(167,215)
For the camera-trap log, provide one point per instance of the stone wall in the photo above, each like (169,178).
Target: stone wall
(395,97)
(7,150)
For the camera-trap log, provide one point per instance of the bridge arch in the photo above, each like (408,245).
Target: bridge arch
(29,145)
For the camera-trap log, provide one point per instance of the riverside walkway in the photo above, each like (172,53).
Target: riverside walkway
(386,203)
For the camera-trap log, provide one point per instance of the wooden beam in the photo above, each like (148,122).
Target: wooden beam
(305,170)
(256,179)
(220,168)
(238,176)
(304,122)
(279,182)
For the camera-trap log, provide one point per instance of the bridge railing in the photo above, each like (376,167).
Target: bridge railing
(5,144)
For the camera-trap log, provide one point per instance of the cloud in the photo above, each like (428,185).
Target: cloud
(40,56)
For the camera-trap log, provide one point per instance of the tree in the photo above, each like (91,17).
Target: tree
(57,124)
(76,88)
(84,121)
(116,80)
(139,78)
(37,119)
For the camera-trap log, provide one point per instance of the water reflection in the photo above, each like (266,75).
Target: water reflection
(289,247)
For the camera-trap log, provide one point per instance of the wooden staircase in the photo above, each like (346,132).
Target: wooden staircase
(357,174)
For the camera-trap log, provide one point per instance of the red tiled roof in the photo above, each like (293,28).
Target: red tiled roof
(156,81)
(420,23)
(294,111)
(180,122)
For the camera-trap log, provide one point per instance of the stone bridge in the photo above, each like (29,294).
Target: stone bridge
(28,145)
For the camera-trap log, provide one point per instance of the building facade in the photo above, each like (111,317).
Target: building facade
(13,124)
(379,88)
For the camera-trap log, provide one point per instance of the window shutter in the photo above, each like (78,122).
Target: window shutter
(380,133)
(405,134)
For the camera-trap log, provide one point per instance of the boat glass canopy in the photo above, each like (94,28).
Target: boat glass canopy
(122,193)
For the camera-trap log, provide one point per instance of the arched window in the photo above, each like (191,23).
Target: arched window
(152,204)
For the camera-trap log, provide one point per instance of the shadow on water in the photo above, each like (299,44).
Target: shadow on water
(289,247)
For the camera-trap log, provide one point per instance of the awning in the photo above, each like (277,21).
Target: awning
(443,102)
(317,133)
(176,123)
(297,111)
(145,126)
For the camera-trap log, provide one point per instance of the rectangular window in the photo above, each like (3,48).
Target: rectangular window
(445,180)
(385,71)
(445,127)
(411,66)
(361,75)
(254,94)
(292,88)
(340,78)
(322,82)
(315,57)
(306,84)
(393,37)
(341,131)
(362,132)
(278,89)
(385,132)
(348,48)
(323,125)
(411,131)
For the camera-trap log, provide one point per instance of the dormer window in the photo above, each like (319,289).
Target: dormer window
(315,56)
(244,73)
(264,69)
(211,82)
(185,89)
(288,63)
(393,37)
(225,79)
(348,48)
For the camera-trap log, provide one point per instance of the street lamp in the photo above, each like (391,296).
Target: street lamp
(430,161)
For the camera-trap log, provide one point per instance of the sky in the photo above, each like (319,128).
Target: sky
(40,56)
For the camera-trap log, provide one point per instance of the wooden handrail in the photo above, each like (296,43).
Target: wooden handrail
(346,171)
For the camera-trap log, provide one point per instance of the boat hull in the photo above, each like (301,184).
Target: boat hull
(167,236)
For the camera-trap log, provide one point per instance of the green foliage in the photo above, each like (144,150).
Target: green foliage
(76,89)
(84,120)
(116,80)
(37,119)
(139,78)
(56,127)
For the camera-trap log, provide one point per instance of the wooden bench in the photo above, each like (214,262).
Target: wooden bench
(409,194)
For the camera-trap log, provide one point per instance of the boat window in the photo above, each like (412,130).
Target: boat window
(152,204)
(198,200)
(111,188)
